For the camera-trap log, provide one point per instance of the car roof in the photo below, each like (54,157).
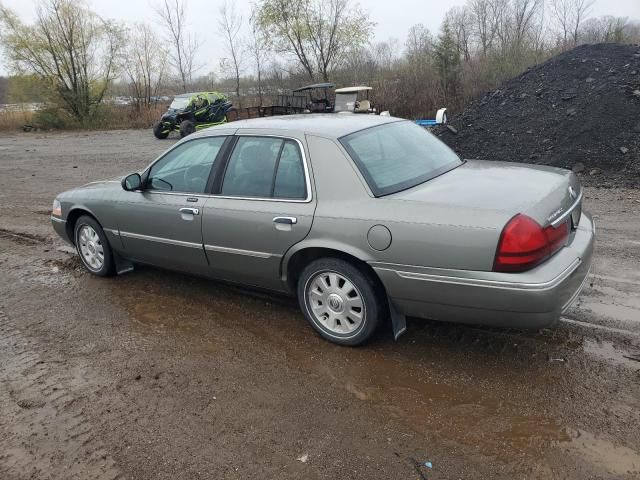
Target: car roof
(330,125)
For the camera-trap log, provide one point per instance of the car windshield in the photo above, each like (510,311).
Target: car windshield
(179,102)
(397,156)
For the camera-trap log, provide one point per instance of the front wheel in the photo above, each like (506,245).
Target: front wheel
(93,247)
(187,127)
(160,130)
(339,301)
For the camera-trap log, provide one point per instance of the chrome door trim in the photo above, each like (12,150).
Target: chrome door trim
(307,177)
(167,241)
(238,251)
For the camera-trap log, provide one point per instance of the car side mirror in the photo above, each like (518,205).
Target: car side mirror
(132,182)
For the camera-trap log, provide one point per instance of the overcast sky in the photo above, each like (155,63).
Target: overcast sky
(392,17)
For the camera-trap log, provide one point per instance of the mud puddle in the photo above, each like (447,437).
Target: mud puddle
(403,382)
(625,313)
(607,351)
(22,237)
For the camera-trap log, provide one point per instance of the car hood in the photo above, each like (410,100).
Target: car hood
(101,183)
(509,188)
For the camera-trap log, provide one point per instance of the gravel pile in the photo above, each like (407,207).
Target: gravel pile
(579,110)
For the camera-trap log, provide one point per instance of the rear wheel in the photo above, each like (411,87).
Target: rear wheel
(93,247)
(187,127)
(160,130)
(339,301)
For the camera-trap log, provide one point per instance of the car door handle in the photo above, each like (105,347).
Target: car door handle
(191,211)
(286,220)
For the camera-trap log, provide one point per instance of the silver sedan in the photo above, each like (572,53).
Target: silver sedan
(366,219)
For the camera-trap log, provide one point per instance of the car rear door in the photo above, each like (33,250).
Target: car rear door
(162,223)
(263,206)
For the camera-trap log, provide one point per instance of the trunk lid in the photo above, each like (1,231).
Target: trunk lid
(548,195)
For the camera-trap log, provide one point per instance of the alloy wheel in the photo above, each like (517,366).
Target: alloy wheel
(91,248)
(335,303)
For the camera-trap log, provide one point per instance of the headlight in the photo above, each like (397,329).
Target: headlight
(56,209)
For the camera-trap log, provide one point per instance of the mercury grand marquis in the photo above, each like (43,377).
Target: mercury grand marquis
(366,219)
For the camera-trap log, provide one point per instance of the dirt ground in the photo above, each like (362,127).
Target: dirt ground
(157,375)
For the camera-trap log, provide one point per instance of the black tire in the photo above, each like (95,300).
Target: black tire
(159,131)
(107,267)
(187,127)
(365,287)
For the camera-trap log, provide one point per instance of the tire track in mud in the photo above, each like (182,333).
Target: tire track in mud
(44,434)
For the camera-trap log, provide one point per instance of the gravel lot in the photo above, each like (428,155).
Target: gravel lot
(157,375)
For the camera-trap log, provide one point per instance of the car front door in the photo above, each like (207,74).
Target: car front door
(162,223)
(264,205)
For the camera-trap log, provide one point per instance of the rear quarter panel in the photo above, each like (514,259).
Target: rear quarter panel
(421,234)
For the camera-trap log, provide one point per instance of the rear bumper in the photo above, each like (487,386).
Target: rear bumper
(532,299)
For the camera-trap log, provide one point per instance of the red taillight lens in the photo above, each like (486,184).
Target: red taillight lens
(524,244)
(557,237)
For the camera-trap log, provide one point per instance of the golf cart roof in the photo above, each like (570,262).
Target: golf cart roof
(360,88)
(315,85)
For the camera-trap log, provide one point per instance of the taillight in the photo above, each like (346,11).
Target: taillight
(524,244)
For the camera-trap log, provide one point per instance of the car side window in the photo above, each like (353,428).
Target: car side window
(186,168)
(289,180)
(265,167)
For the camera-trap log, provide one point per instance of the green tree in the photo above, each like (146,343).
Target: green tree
(318,34)
(75,52)
(447,61)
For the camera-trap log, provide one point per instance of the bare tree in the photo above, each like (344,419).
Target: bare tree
(317,33)
(230,24)
(258,49)
(485,26)
(145,66)
(570,14)
(69,47)
(173,16)
(524,16)
(460,21)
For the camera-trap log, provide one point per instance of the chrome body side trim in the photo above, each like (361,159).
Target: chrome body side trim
(477,282)
(112,231)
(564,216)
(237,251)
(58,220)
(167,241)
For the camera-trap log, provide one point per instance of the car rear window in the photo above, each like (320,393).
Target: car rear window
(397,156)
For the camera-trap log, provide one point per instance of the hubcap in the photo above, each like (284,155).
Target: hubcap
(335,302)
(90,248)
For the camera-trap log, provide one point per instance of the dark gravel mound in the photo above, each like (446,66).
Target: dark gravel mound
(578,110)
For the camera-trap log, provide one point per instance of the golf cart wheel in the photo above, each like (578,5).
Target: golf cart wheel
(187,128)
(160,131)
